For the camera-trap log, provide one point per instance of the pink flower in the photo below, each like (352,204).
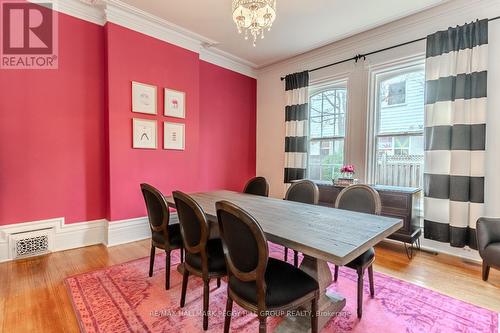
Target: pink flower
(349,168)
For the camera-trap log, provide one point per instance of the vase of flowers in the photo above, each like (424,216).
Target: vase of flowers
(347,171)
(347,176)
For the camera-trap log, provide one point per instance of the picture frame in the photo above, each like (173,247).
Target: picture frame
(174,136)
(175,103)
(144,98)
(144,134)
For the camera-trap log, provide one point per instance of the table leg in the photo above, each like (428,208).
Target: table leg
(329,304)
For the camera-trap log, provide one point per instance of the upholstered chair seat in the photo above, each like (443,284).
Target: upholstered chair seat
(215,256)
(174,232)
(492,253)
(364,259)
(284,284)
(488,241)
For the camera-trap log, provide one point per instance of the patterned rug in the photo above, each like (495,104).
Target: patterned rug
(123,298)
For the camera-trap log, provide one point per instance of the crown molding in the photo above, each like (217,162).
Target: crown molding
(135,19)
(115,11)
(80,9)
(223,59)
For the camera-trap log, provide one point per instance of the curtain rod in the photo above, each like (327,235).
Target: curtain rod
(363,56)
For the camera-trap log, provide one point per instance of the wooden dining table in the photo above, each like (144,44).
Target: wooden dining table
(322,234)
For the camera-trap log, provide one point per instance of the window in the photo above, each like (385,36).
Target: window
(327,119)
(398,149)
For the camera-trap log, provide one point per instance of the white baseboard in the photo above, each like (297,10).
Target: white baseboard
(131,230)
(66,236)
(75,235)
(126,231)
(465,253)
(81,234)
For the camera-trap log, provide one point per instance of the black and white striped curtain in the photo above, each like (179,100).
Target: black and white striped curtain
(455,133)
(296,114)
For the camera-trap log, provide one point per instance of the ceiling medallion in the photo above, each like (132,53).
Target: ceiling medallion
(252,17)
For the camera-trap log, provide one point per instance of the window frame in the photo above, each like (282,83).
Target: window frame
(377,75)
(316,89)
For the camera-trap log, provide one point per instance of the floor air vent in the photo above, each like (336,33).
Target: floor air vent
(31,243)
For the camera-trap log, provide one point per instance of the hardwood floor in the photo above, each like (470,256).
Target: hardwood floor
(33,296)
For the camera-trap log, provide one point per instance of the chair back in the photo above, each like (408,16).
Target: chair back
(304,191)
(194,225)
(359,198)
(244,243)
(157,208)
(257,186)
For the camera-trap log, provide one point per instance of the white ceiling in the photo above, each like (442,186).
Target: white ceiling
(301,25)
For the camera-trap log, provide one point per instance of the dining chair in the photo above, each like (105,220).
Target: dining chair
(204,256)
(488,241)
(304,191)
(256,282)
(257,186)
(363,199)
(164,235)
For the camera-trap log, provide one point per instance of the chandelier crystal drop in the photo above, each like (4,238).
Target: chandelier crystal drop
(252,17)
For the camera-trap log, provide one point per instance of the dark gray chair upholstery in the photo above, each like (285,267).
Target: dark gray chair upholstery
(204,256)
(359,198)
(363,199)
(164,235)
(304,191)
(257,186)
(258,283)
(488,241)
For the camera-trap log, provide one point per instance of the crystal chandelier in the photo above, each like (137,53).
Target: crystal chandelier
(253,17)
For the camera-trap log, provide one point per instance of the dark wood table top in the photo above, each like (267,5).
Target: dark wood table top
(334,235)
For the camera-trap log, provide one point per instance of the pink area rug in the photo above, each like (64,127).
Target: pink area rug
(123,298)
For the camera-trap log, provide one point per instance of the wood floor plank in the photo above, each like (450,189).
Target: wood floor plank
(33,296)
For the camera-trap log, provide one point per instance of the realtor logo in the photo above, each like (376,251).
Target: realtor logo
(29,35)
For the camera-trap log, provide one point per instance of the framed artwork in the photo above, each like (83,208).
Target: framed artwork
(173,136)
(144,133)
(175,103)
(143,98)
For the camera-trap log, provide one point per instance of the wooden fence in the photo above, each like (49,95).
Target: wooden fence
(400,170)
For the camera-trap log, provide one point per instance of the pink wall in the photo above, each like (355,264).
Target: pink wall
(220,122)
(228,131)
(66,134)
(52,133)
(135,57)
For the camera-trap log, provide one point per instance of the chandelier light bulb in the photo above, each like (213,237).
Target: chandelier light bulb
(254,17)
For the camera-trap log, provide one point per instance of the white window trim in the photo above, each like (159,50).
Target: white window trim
(395,67)
(320,86)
